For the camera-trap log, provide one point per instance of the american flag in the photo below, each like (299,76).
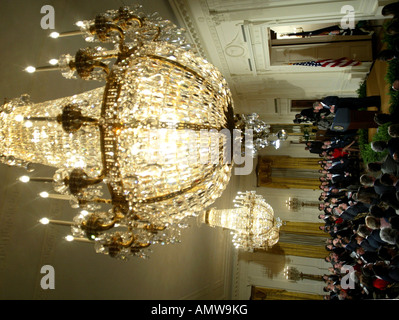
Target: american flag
(341,62)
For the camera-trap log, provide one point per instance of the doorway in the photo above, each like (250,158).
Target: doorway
(313,42)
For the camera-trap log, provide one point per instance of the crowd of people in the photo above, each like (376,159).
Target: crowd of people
(341,114)
(359,204)
(359,201)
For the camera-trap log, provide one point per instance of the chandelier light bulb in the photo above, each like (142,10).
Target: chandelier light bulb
(44,221)
(44,194)
(53,62)
(69,238)
(79,23)
(54,35)
(28,124)
(30,69)
(19,118)
(24,179)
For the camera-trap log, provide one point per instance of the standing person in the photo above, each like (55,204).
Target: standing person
(331,104)
(309,115)
(392,146)
(314,146)
(386,165)
(346,119)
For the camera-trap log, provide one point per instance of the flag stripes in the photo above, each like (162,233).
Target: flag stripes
(341,62)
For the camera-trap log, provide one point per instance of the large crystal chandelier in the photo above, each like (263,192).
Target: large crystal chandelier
(252,221)
(129,154)
(261,133)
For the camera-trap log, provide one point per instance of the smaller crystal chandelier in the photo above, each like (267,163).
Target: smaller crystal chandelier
(262,137)
(294,275)
(252,222)
(294,204)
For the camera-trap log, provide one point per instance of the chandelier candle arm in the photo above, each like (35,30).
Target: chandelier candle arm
(55,196)
(56,34)
(96,200)
(47,119)
(32,69)
(35,179)
(56,222)
(71,238)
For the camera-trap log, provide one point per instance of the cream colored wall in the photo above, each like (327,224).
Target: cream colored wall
(284,12)
(267,270)
(234,36)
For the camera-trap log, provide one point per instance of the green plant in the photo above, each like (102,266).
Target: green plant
(362,91)
(366,153)
(393,68)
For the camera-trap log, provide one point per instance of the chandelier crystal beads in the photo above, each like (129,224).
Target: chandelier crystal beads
(141,139)
(252,221)
(261,132)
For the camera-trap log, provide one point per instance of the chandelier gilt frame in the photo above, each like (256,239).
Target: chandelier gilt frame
(141,135)
(146,151)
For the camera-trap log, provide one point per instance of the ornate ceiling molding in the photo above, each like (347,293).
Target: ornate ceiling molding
(186,20)
(201,24)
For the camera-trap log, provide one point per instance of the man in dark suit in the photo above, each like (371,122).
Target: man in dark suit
(342,179)
(367,256)
(342,163)
(331,104)
(314,146)
(353,211)
(392,145)
(386,165)
(309,115)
